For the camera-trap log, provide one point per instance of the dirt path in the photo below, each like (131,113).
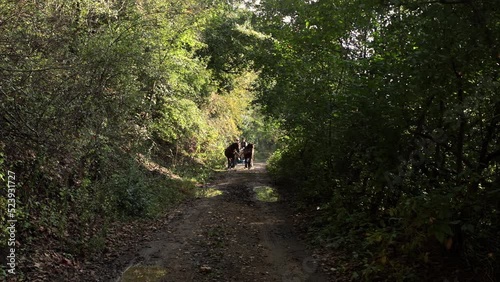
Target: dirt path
(232,236)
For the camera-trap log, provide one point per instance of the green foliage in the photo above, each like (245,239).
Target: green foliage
(183,122)
(228,47)
(391,125)
(261,131)
(93,93)
(137,193)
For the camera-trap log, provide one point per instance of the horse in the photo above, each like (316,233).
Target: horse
(248,155)
(231,154)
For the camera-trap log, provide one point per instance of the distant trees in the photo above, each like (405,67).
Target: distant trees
(391,118)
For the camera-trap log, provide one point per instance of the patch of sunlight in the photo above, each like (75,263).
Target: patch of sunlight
(265,194)
(208,193)
(152,166)
(143,273)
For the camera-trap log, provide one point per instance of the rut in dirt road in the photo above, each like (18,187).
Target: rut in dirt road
(229,236)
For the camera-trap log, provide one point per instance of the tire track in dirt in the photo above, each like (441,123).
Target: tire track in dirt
(229,237)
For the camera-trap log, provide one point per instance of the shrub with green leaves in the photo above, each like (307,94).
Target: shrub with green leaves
(391,113)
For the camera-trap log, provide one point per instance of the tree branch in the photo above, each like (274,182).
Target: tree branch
(446,146)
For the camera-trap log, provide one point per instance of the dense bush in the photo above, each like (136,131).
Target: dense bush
(391,118)
(105,107)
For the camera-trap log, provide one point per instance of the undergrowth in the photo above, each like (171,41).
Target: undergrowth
(431,238)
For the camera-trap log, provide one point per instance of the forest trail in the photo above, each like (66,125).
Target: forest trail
(229,235)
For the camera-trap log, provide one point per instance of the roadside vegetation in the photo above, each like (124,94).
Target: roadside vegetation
(111,111)
(381,117)
(391,120)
